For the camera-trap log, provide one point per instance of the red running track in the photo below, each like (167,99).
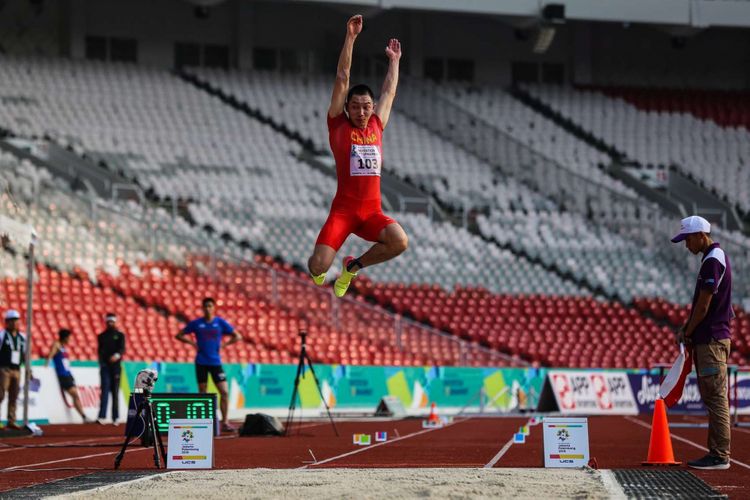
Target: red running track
(616,442)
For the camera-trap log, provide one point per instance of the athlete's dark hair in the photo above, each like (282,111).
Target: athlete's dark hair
(63,334)
(208,300)
(360,89)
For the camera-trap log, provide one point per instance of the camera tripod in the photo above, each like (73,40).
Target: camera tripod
(146,413)
(305,358)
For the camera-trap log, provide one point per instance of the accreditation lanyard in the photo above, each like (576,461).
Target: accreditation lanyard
(15,347)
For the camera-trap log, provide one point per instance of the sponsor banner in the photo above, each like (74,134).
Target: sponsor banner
(646,391)
(741,396)
(344,387)
(584,392)
(253,386)
(48,404)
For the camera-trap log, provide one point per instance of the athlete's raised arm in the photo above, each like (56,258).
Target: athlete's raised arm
(388,93)
(341,86)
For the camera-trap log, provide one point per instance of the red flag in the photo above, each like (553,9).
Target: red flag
(673,384)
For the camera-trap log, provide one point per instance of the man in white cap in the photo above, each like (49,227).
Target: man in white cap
(707,332)
(12,355)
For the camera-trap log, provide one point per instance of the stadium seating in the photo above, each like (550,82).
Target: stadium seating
(666,134)
(677,315)
(268,203)
(602,259)
(499,108)
(111,247)
(179,142)
(728,108)
(143,122)
(62,301)
(364,335)
(516,215)
(76,236)
(553,331)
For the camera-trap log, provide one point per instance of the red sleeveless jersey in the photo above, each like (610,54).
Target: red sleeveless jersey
(358,155)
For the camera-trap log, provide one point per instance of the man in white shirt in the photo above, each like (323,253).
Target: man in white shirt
(12,354)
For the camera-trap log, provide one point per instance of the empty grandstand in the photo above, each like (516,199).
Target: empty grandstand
(535,244)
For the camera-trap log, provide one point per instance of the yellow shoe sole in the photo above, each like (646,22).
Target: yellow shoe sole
(342,282)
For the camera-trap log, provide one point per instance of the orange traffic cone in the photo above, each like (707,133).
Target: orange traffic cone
(433,418)
(660,447)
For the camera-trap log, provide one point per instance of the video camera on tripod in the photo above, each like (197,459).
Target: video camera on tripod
(145,381)
(144,385)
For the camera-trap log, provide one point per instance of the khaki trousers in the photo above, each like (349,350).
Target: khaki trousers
(711,365)
(10,383)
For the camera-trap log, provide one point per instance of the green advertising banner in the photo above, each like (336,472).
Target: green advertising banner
(343,387)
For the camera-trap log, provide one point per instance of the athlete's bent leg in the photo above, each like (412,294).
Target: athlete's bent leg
(73,391)
(321,259)
(392,242)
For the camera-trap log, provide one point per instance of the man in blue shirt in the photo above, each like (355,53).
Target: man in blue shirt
(209,331)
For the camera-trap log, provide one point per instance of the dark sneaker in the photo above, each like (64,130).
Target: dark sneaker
(710,462)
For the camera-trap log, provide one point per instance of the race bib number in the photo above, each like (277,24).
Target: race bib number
(15,357)
(66,364)
(364,160)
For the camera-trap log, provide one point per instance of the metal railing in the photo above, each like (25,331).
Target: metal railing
(623,214)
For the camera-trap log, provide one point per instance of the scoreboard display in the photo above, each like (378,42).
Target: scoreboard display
(167,406)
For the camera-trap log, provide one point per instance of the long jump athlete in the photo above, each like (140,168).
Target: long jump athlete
(355,131)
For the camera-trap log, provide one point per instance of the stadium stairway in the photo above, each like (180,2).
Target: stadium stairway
(699,133)
(246,108)
(681,194)
(541,107)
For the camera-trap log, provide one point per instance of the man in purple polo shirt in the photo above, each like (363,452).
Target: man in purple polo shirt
(707,331)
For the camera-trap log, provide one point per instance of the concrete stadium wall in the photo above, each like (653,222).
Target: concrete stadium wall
(590,52)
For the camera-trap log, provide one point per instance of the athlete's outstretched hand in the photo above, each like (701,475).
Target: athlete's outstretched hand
(354,25)
(393,50)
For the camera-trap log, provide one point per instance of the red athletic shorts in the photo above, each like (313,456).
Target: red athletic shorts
(366,220)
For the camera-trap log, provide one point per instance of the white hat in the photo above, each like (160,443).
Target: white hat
(12,314)
(690,225)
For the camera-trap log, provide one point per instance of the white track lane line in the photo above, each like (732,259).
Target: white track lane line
(354,452)
(70,459)
(505,448)
(499,455)
(54,444)
(679,438)
(11,469)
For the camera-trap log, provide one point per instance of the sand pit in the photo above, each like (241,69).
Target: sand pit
(362,483)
